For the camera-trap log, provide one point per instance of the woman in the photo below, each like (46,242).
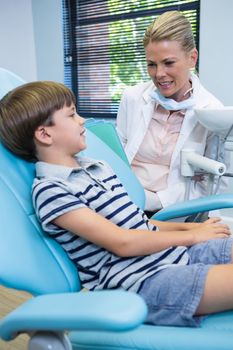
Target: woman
(156,119)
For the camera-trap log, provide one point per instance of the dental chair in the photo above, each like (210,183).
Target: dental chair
(8,81)
(33,262)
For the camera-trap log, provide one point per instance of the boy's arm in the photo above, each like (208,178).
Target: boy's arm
(181,226)
(125,243)
(175,226)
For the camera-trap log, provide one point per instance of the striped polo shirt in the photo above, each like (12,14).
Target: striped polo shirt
(59,189)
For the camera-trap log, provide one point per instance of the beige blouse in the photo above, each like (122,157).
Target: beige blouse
(152,161)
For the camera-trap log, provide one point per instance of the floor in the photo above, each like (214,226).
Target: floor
(9,300)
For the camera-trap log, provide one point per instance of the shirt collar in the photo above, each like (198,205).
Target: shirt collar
(44,169)
(160,109)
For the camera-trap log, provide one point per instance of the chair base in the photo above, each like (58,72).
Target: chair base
(49,340)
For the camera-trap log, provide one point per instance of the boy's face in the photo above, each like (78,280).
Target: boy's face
(68,132)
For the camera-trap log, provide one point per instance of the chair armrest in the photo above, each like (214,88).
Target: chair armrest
(102,310)
(194,206)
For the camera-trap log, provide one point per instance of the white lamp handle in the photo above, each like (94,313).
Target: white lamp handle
(190,160)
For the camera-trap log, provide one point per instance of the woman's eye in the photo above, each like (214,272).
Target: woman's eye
(169,63)
(151,64)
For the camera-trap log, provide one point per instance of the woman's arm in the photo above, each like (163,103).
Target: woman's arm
(125,243)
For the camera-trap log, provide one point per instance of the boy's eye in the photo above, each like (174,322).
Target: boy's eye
(72,115)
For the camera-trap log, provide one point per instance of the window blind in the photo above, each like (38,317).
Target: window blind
(103,49)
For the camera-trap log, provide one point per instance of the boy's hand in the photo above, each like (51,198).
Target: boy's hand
(212,220)
(210,229)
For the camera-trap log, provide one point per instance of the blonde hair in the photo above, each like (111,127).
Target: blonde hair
(172,26)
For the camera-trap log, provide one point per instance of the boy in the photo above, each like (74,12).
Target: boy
(182,270)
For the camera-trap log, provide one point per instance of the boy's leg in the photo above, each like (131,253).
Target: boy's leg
(213,252)
(218,291)
(174,294)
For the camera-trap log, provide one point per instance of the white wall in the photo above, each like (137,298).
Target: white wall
(48,35)
(32,44)
(17,45)
(216,57)
(31,38)
(216,48)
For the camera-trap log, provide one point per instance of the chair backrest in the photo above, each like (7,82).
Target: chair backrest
(29,259)
(8,81)
(98,149)
(106,131)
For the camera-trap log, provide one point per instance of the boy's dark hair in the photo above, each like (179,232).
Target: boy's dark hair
(27,107)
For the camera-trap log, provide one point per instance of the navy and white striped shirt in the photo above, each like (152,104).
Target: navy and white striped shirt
(58,189)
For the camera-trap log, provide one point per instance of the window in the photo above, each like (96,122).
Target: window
(103,48)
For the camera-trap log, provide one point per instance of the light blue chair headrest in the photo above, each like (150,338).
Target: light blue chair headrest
(8,81)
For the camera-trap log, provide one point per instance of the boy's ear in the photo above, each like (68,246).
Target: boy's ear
(42,135)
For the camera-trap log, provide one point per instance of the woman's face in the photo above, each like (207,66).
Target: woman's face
(169,67)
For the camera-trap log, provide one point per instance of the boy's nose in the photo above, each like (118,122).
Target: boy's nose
(81,120)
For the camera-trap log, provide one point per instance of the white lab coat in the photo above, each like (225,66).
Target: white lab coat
(134,115)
